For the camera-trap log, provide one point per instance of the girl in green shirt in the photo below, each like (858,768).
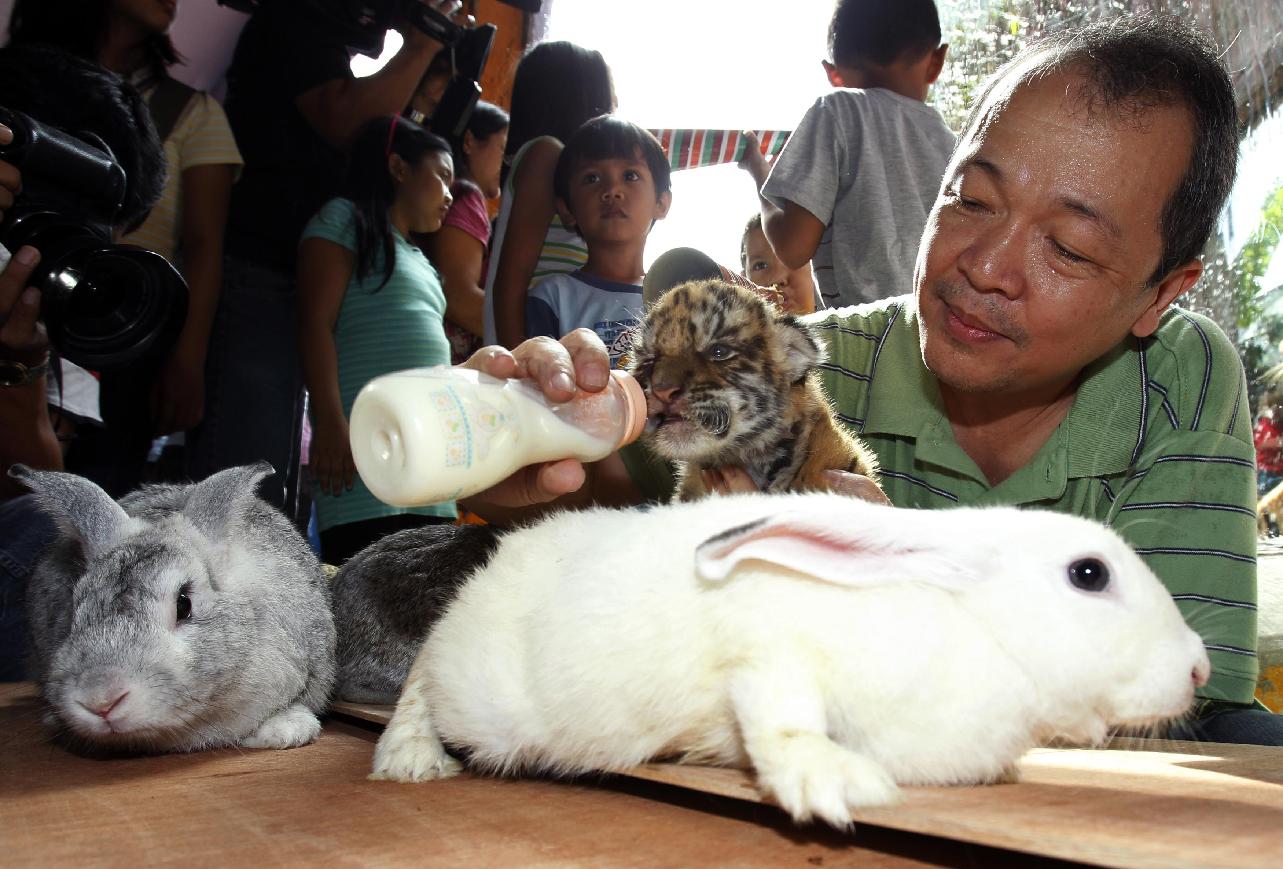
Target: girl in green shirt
(370,304)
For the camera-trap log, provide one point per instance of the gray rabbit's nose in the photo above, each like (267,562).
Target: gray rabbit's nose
(102,710)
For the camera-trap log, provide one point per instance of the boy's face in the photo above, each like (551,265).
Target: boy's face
(761,265)
(613,199)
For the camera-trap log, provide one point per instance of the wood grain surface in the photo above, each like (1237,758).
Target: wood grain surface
(314,806)
(1137,803)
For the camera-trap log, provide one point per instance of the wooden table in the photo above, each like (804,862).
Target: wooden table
(1191,806)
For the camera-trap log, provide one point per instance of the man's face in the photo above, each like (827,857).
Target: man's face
(613,199)
(1036,255)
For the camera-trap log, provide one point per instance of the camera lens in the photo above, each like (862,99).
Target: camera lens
(125,305)
(106,306)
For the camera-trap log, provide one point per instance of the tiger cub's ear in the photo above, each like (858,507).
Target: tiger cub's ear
(801,345)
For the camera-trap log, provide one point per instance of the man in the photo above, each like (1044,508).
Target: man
(294,105)
(1040,361)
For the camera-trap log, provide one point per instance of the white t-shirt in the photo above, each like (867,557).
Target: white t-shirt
(560,303)
(869,164)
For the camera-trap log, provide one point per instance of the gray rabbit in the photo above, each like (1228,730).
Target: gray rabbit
(389,594)
(183,617)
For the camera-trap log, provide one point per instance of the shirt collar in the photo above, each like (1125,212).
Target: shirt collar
(1099,436)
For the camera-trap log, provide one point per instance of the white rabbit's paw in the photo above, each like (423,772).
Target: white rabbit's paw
(408,754)
(811,776)
(289,728)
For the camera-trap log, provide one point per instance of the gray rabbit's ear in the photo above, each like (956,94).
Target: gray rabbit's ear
(79,507)
(220,498)
(803,349)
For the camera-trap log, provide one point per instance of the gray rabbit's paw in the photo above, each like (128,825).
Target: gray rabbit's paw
(411,754)
(289,728)
(810,776)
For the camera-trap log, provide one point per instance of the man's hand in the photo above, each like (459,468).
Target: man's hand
(578,361)
(855,486)
(731,480)
(22,335)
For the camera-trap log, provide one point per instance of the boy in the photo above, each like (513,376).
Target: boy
(612,184)
(790,289)
(852,188)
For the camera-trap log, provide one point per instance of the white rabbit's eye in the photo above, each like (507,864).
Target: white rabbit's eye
(184,605)
(1089,574)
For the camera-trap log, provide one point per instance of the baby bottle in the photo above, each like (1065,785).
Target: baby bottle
(428,435)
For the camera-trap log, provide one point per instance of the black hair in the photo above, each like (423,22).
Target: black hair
(557,87)
(486,120)
(754,222)
(1131,65)
(80,26)
(74,94)
(608,137)
(370,187)
(880,32)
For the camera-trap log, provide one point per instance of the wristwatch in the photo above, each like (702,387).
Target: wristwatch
(18,374)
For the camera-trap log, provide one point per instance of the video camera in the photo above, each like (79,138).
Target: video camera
(363,24)
(105,306)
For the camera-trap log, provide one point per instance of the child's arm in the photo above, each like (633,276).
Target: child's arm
(798,196)
(533,206)
(457,255)
(324,269)
(794,232)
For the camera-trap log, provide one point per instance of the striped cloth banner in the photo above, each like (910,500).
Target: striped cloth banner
(690,149)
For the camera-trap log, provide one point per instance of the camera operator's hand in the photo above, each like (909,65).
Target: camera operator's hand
(452,9)
(22,335)
(10,177)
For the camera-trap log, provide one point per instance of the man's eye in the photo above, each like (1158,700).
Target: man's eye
(591,178)
(760,265)
(632,175)
(1068,255)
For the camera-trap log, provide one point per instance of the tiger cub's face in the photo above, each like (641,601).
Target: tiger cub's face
(717,364)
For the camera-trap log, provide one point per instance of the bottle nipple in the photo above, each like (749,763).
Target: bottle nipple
(635,411)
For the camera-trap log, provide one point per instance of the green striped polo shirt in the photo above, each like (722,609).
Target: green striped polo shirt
(378,331)
(1157,445)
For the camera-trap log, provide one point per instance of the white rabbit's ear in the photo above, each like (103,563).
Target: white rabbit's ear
(217,500)
(817,548)
(79,508)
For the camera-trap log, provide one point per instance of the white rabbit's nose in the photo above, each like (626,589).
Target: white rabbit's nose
(1202,672)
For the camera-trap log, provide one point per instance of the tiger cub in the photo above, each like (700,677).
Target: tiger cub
(730,381)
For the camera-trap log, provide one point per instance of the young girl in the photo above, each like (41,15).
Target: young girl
(458,248)
(370,303)
(558,87)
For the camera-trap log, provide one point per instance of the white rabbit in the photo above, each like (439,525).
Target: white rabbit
(182,618)
(835,646)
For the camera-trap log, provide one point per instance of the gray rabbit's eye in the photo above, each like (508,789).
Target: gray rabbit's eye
(1089,574)
(184,605)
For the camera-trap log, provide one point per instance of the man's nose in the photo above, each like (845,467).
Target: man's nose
(993,261)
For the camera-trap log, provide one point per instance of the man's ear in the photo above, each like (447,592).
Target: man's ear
(563,211)
(937,63)
(1170,288)
(834,74)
